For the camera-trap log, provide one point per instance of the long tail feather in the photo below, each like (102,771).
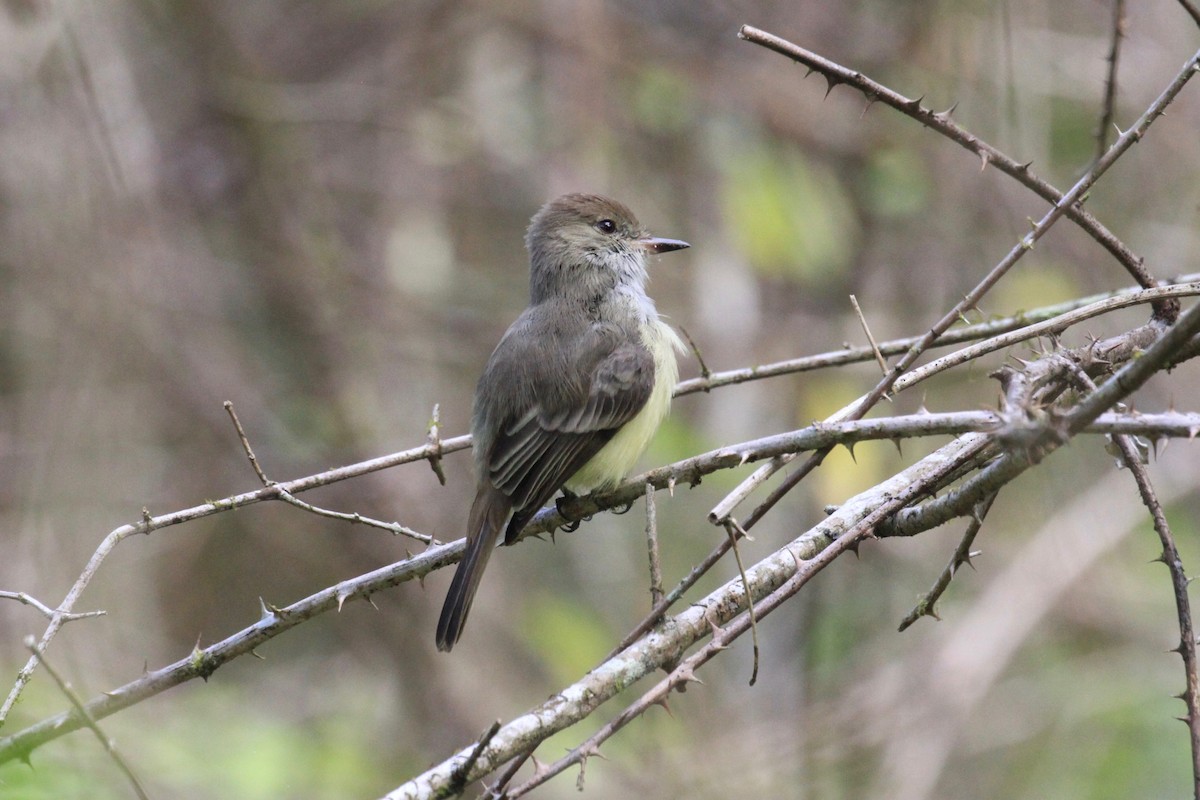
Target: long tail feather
(489,513)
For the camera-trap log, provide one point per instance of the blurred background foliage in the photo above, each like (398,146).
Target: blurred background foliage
(315,210)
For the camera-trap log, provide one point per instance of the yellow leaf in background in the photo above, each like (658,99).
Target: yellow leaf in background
(1029,286)
(841,476)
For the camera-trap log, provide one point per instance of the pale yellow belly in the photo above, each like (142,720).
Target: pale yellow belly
(614,461)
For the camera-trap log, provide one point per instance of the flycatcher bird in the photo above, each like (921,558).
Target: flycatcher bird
(577,385)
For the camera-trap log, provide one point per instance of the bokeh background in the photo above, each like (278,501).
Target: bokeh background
(315,210)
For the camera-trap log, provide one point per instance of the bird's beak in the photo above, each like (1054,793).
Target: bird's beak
(656,245)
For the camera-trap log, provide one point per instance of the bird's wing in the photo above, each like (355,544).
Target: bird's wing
(539,449)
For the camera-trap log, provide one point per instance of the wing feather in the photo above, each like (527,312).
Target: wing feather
(539,447)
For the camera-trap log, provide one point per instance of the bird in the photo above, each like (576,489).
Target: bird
(576,387)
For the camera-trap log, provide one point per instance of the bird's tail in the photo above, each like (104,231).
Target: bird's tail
(489,514)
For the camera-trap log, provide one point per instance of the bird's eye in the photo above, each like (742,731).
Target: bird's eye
(606,226)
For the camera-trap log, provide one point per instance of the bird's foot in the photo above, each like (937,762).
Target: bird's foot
(560,503)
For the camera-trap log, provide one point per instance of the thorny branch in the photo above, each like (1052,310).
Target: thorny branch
(203,662)
(517,739)
(149,523)
(1067,314)
(1179,584)
(835,73)
(941,122)
(927,606)
(1010,441)
(1110,83)
(719,617)
(109,746)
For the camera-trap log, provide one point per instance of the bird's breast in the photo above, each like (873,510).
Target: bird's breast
(615,459)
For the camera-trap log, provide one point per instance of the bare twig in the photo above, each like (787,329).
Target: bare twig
(1046,327)
(656,587)
(150,523)
(871,339)
(851,355)
(109,745)
(435,442)
(1173,424)
(283,494)
(927,606)
(459,779)
(355,518)
(1192,9)
(1133,374)
(705,373)
(1110,82)
(47,611)
(237,423)
(1179,584)
(735,532)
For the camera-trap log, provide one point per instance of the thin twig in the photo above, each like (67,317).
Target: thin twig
(1110,82)
(705,373)
(1173,424)
(1125,381)
(927,606)
(1179,584)
(1192,9)
(656,585)
(47,611)
(1121,298)
(395,528)
(458,780)
(237,423)
(735,532)
(283,494)
(867,330)
(108,744)
(435,441)
(500,787)
(148,523)
(1007,339)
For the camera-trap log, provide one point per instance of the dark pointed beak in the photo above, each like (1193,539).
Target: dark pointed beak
(657,245)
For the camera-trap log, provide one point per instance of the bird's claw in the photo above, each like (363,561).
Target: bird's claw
(569,527)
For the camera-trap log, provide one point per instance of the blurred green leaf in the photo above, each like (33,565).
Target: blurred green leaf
(897,183)
(1072,133)
(566,635)
(791,217)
